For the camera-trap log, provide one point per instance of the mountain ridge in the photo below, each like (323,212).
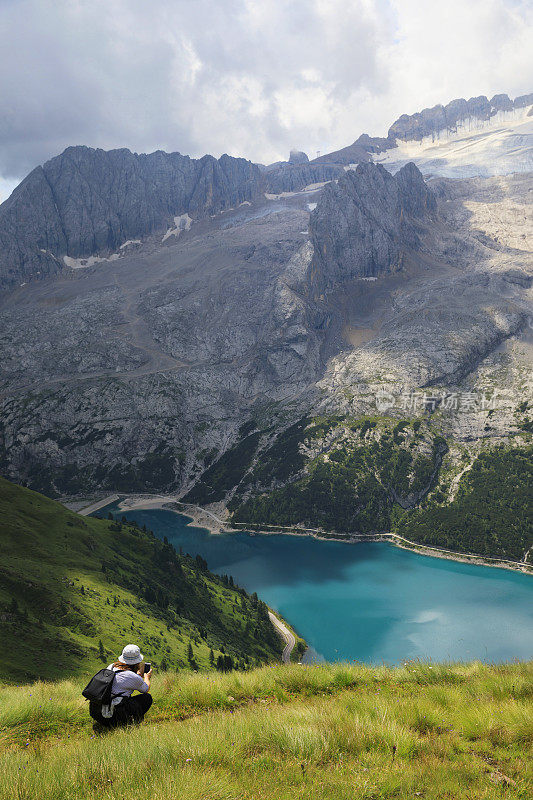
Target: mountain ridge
(430,121)
(90,203)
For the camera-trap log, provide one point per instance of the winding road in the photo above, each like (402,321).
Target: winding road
(288,637)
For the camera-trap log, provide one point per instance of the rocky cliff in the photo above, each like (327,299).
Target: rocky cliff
(358,152)
(88,201)
(363,223)
(297,173)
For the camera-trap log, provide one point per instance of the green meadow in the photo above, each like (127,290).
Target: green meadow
(330,731)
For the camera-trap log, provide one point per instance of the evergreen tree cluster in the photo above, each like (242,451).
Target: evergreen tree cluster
(352,490)
(492,513)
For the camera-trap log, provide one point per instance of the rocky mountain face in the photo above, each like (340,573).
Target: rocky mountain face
(364,222)
(297,173)
(139,371)
(430,121)
(227,316)
(89,201)
(249,299)
(298,157)
(295,177)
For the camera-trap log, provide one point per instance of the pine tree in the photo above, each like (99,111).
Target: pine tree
(211,657)
(190,654)
(101,653)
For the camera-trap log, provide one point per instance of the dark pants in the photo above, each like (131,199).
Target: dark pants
(130,710)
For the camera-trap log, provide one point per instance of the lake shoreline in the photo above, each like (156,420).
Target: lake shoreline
(201,517)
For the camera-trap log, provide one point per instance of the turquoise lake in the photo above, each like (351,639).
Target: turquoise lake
(368,602)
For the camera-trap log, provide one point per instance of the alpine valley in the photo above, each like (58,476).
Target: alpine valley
(341,344)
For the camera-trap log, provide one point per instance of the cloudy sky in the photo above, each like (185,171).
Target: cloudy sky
(247,77)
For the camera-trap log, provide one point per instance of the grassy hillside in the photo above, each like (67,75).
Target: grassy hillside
(68,583)
(333,732)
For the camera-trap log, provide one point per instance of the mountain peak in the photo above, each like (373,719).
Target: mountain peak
(298,157)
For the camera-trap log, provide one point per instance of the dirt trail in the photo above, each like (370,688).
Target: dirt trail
(134,329)
(454,485)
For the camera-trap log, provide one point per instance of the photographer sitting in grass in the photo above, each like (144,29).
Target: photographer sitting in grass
(131,675)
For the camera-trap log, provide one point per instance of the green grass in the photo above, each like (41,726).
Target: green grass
(331,731)
(68,582)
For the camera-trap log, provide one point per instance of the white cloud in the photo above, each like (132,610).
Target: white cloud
(247,77)
(458,49)
(6,187)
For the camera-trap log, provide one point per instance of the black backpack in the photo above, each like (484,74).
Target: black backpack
(98,690)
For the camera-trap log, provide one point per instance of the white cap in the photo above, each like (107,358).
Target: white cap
(131,655)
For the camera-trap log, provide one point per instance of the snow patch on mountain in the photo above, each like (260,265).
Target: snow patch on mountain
(182,223)
(311,188)
(83,263)
(499,146)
